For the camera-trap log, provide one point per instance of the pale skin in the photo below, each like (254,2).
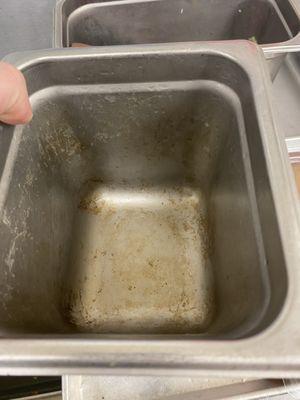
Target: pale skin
(15,107)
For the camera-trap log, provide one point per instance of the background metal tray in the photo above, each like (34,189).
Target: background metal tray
(146,388)
(274,24)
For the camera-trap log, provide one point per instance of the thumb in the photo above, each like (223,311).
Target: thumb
(14,102)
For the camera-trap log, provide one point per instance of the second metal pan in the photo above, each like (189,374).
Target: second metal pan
(273,24)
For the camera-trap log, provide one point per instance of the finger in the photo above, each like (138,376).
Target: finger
(15,107)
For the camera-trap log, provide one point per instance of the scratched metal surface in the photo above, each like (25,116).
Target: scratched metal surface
(28,24)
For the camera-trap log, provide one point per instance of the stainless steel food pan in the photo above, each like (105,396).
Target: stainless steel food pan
(48,396)
(167,388)
(274,24)
(149,220)
(176,388)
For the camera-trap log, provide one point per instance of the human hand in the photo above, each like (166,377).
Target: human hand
(14,102)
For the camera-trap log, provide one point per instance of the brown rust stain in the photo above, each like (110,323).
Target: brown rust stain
(59,144)
(146,256)
(89,205)
(296,169)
